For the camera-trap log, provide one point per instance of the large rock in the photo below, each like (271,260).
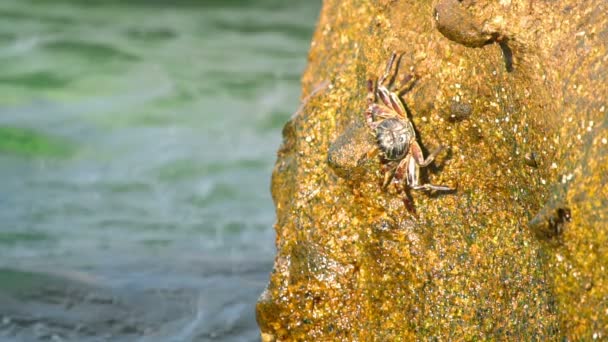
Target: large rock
(517,90)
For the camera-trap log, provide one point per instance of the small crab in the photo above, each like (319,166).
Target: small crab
(395,136)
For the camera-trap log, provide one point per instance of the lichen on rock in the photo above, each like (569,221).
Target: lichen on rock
(520,250)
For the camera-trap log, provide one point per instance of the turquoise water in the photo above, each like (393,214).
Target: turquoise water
(137,140)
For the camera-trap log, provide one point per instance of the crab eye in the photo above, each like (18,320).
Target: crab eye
(402,139)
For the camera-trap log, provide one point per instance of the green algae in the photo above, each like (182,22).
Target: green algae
(36,80)
(19,141)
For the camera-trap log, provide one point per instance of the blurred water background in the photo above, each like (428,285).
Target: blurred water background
(137,139)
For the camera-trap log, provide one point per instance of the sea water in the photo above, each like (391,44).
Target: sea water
(137,140)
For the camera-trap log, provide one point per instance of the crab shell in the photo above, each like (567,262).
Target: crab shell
(394,136)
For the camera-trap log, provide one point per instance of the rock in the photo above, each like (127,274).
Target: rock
(517,252)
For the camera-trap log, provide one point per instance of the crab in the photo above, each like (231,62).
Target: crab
(395,136)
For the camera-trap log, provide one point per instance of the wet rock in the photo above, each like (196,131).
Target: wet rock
(458,25)
(531,159)
(352,152)
(550,221)
(480,263)
(460,111)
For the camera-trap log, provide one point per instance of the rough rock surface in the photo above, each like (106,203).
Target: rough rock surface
(517,89)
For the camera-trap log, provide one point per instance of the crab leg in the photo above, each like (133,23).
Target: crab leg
(415,160)
(389,175)
(406,85)
(389,66)
(391,100)
(371,92)
(401,169)
(376,111)
(419,157)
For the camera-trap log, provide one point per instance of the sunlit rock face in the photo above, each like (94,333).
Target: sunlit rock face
(517,91)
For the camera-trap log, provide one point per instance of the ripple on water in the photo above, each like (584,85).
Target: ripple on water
(185,169)
(91,51)
(151,35)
